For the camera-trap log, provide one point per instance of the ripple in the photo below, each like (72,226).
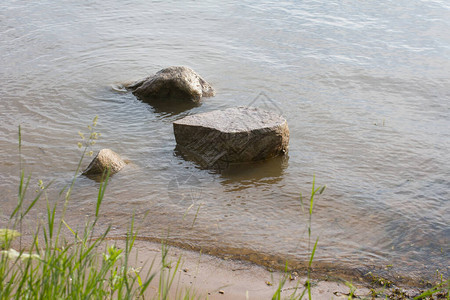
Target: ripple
(362,87)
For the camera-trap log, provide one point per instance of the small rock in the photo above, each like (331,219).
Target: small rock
(173,83)
(221,292)
(293,276)
(105,159)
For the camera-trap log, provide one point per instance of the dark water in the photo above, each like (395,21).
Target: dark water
(364,85)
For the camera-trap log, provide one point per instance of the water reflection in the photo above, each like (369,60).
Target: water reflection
(170,106)
(334,73)
(166,106)
(267,171)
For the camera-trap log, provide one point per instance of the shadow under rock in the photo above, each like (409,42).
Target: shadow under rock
(170,106)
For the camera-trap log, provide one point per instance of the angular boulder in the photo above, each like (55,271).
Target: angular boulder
(178,83)
(241,134)
(105,159)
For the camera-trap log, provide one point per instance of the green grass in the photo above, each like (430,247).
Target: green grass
(440,291)
(63,263)
(298,293)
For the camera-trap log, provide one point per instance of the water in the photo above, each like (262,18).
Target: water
(364,86)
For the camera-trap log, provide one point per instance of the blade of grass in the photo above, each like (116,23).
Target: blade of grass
(313,252)
(101,190)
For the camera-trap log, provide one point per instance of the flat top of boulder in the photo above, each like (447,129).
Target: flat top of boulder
(235,119)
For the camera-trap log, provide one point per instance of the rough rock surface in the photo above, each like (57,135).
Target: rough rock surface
(105,159)
(173,83)
(240,134)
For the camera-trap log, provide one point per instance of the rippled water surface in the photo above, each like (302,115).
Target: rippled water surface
(364,86)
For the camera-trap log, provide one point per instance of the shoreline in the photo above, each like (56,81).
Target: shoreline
(205,276)
(372,276)
(212,277)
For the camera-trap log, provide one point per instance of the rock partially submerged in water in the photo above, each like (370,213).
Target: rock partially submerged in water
(179,83)
(105,159)
(234,135)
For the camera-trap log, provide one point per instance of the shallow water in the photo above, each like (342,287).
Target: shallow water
(364,86)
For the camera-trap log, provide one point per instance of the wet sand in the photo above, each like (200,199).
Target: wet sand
(215,278)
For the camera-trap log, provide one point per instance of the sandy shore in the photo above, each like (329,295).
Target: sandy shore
(210,277)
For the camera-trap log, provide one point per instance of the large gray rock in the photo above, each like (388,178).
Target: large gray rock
(173,83)
(234,135)
(105,159)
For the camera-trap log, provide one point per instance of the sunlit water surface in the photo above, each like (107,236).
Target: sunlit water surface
(364,86)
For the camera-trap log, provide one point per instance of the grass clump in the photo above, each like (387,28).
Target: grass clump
(63,263)
(439,291)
